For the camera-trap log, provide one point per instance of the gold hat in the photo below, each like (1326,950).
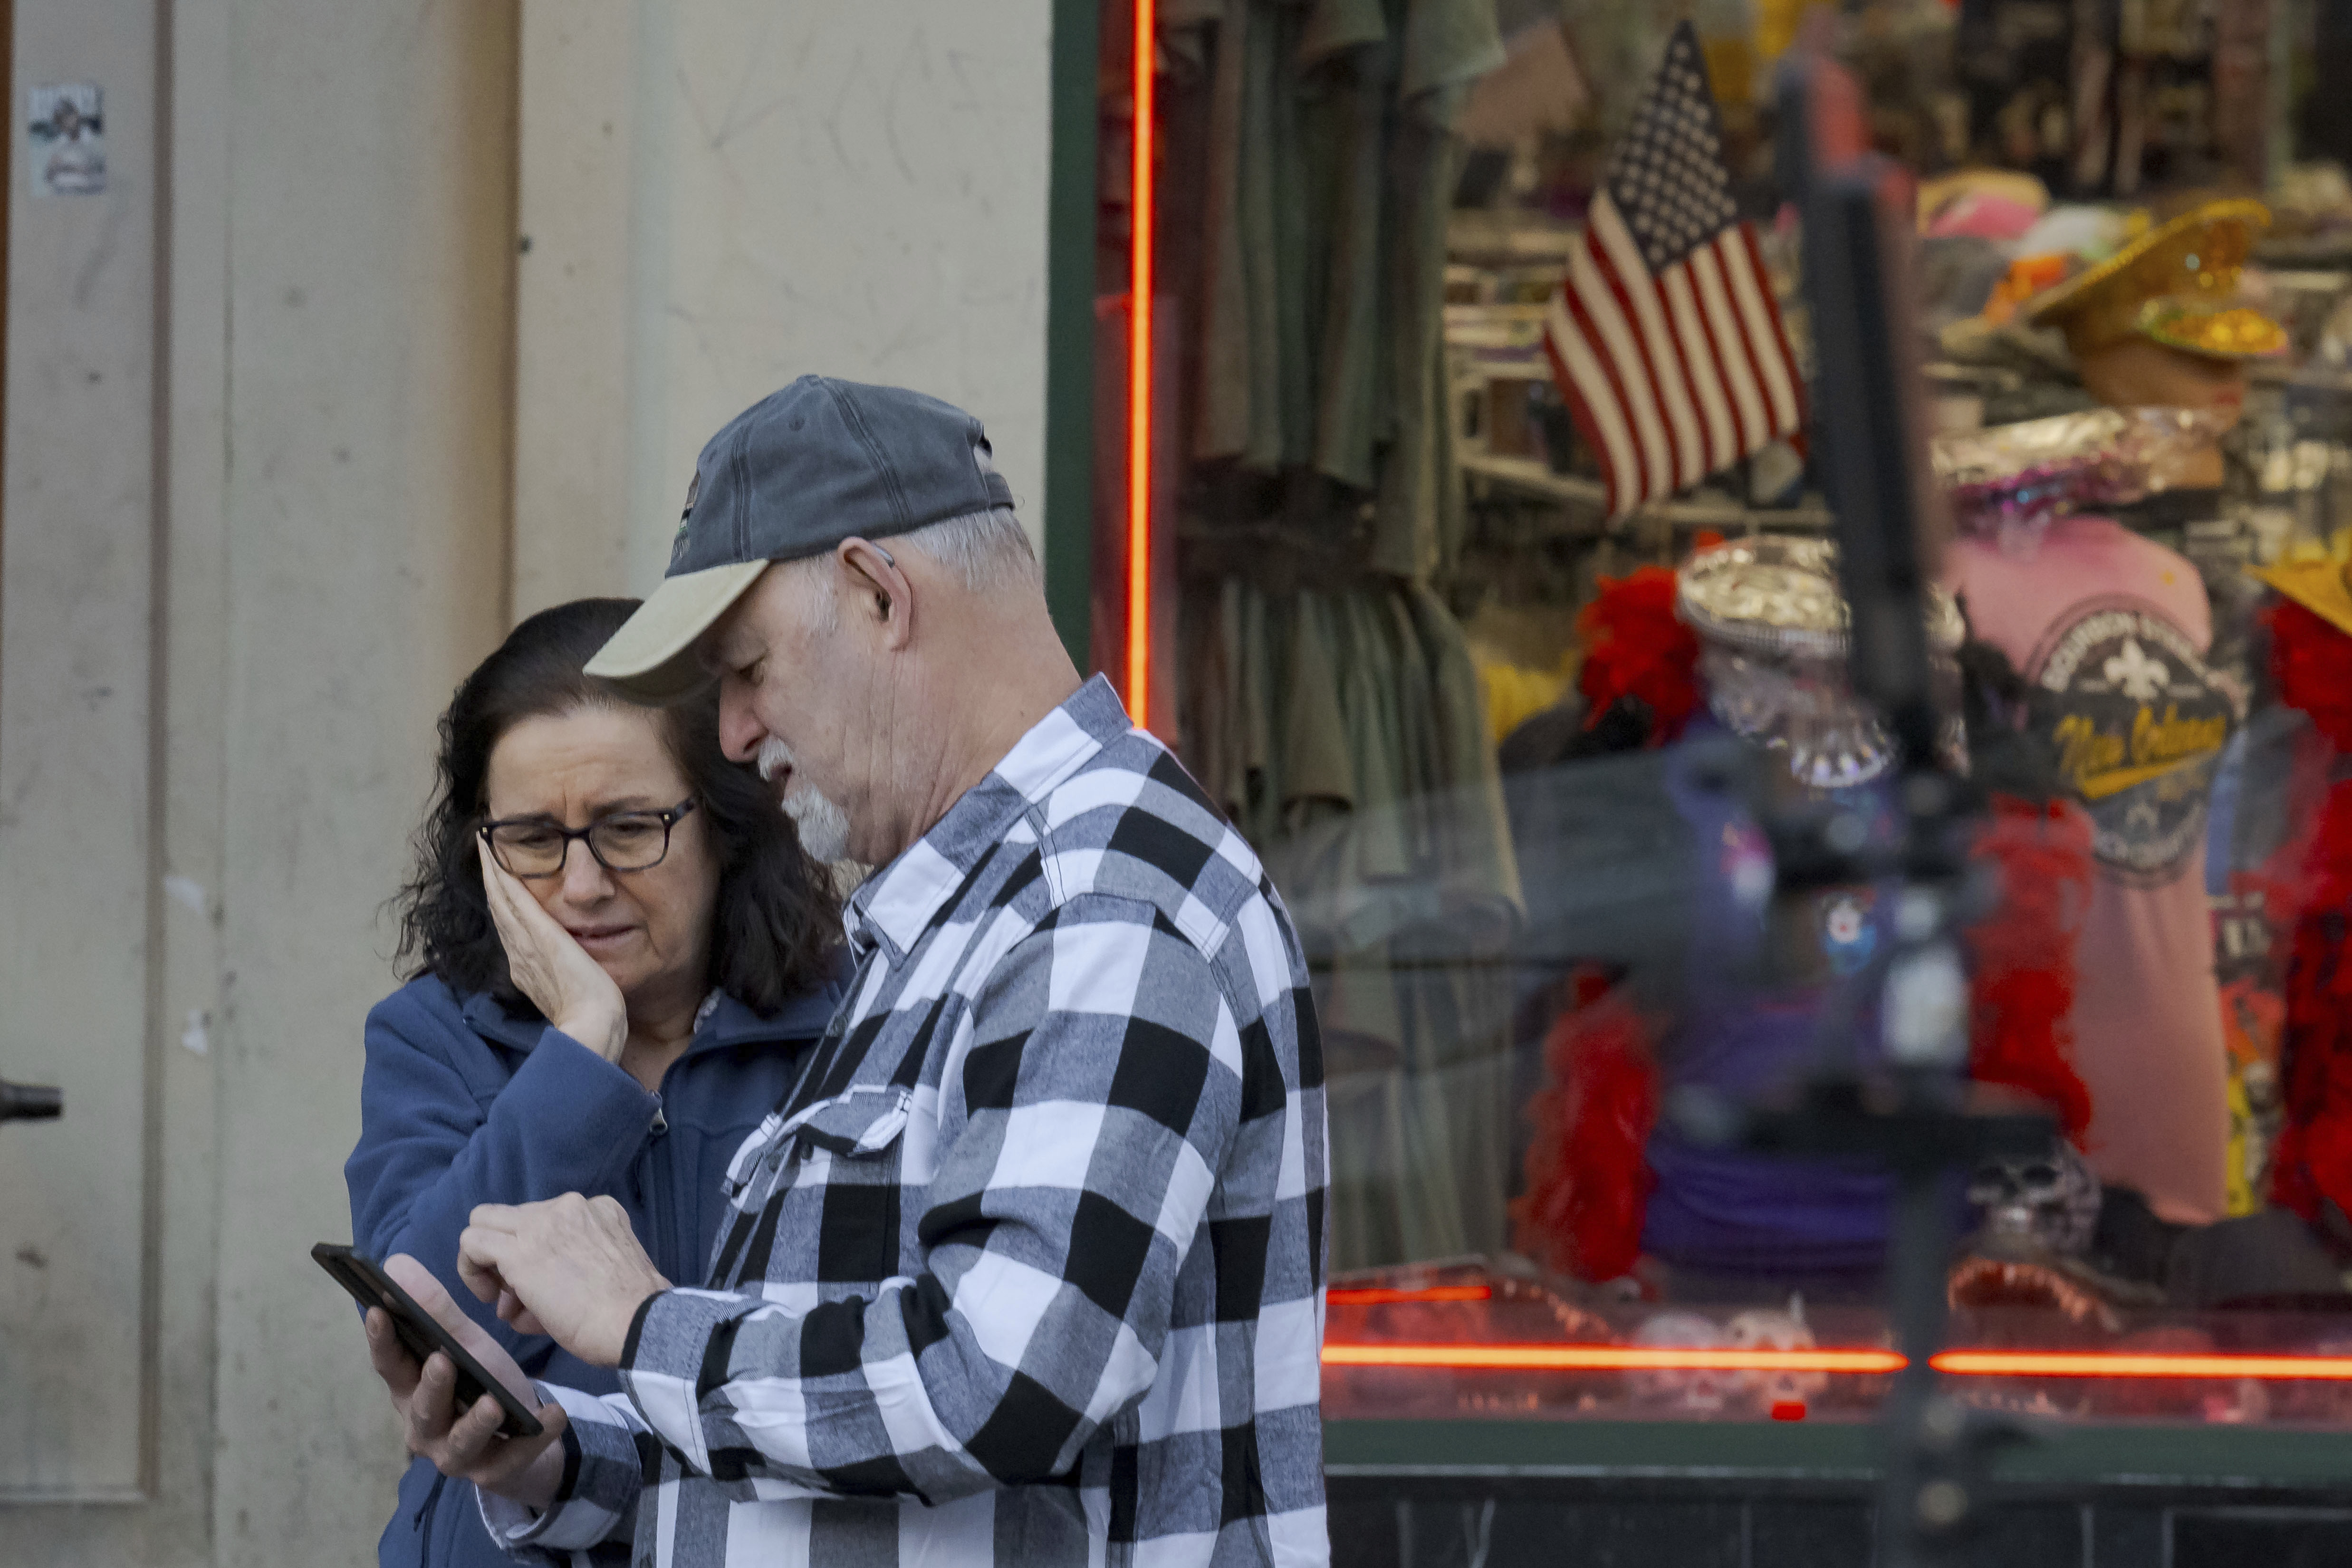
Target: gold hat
(2320,586)
(2176,284)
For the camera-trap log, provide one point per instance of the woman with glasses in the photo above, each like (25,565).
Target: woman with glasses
(618,954)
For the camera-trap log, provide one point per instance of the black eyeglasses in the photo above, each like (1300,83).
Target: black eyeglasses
(531,847)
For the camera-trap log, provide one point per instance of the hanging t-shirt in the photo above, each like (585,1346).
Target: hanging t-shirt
(2111,630)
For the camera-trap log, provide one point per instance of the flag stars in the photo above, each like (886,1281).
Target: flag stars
(1668,179)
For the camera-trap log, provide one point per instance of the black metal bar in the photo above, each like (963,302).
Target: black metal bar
(25,1102)
(1907,1112)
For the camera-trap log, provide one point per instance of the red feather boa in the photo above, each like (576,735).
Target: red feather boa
(1635,646)
(2021,956)
(2311,662)
(1587,1184)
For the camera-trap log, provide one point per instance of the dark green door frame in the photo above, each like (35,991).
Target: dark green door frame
(1071,198)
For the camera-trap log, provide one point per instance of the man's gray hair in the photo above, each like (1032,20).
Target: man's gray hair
(986,551)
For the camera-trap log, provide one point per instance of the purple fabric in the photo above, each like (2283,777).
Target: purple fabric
(1726,1211)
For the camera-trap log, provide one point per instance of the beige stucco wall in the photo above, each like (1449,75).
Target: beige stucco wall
(370,202)
(719,196)
(374,427)
(76,588)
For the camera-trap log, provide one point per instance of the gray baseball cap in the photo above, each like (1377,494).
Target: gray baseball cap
(793,476)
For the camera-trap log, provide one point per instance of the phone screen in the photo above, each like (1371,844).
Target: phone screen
(421,1334)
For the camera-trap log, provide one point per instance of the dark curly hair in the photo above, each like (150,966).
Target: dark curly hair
(778,916)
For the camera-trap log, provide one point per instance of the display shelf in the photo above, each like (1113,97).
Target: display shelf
(1528,477)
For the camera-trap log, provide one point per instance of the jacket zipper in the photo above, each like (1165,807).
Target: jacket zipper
(657,1183)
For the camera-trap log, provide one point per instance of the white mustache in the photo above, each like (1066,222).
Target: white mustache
(823,826)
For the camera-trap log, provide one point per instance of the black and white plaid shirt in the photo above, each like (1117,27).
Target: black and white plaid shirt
(1028,1270)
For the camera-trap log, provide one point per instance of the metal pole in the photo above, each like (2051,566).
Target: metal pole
(1915,1509)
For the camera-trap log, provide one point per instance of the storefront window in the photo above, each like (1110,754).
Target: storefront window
(1491,594)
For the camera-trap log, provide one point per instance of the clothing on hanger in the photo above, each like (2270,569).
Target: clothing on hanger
(1332,162)
(1343,729)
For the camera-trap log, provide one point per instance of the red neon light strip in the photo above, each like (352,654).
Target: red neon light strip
(1609,1358)
(1138,380)
(1375,1297)
(2055,1363)
(1958,1363)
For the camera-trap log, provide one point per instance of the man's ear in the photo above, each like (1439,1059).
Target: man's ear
(876,588)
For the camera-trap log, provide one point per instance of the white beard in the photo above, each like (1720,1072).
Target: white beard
(823,826)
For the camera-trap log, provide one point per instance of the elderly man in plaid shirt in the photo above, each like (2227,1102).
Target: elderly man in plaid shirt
(1028,1268)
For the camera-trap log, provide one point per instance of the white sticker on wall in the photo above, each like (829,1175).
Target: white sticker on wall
(67,134)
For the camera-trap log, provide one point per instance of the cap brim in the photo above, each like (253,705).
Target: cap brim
(651,658)
(2222,329)
(2317,585)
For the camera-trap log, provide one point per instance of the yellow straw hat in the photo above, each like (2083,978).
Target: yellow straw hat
(2319,587)
(2176,284)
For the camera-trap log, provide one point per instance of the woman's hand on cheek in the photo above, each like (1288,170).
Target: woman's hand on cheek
(569,987)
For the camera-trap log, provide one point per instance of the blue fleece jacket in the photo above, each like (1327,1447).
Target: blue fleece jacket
(463,1104)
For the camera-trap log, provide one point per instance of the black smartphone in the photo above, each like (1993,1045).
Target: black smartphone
(421,1333)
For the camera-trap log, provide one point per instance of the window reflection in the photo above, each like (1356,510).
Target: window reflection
(1431,647)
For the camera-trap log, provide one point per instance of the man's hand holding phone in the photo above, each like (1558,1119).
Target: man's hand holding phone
(464,1443)
(570,1268)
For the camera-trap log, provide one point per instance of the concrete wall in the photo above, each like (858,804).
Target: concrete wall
(76,699)
(370,201)
(719,196)
(716,196)
(373,429)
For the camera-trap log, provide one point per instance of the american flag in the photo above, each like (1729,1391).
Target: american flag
(1665,336)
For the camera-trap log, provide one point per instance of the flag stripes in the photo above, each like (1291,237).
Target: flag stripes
(1664,334)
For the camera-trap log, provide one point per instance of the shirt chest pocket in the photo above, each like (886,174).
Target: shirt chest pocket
(863,1124)
(846,1206)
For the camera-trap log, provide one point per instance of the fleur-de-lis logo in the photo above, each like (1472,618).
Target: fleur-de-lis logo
(2139,678)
